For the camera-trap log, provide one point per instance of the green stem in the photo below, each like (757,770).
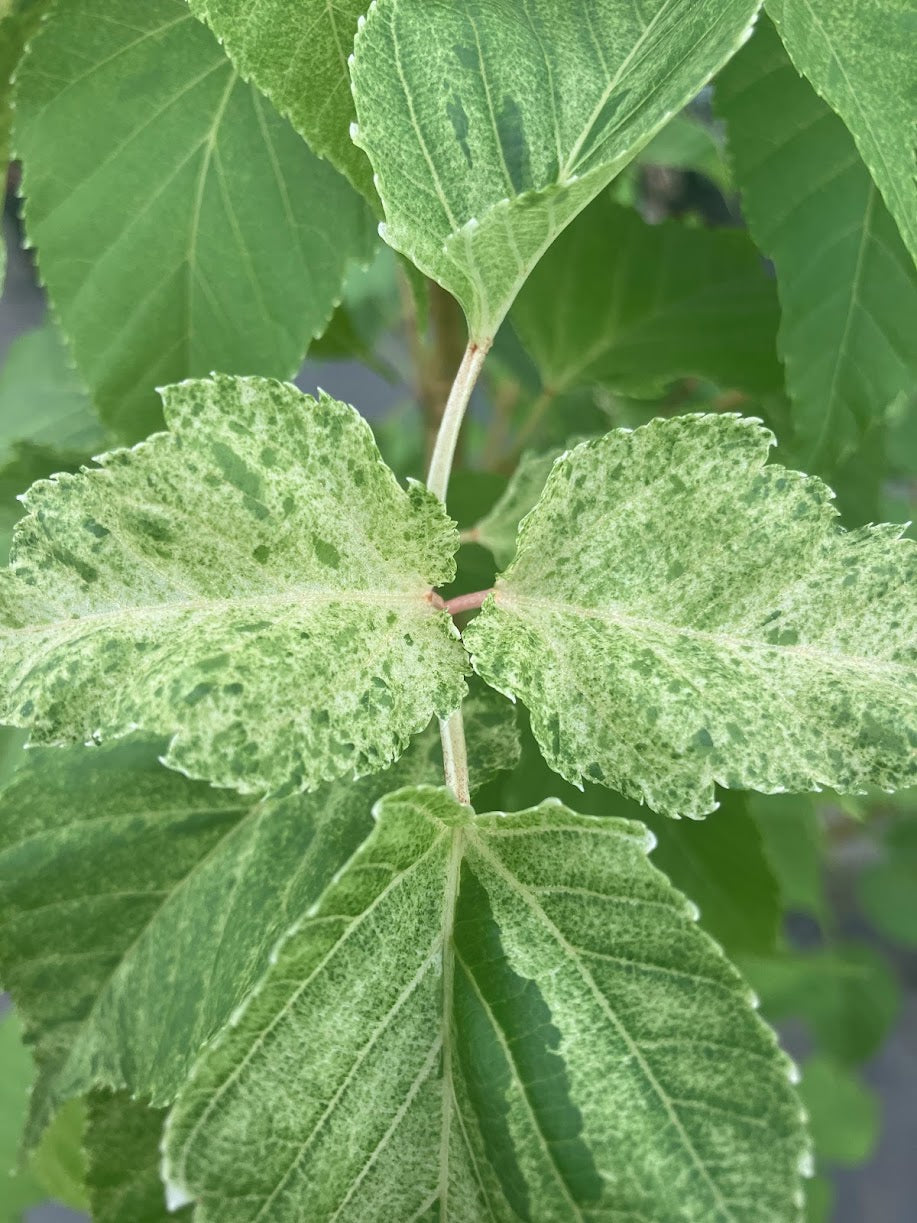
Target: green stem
(452,729)
(451,423)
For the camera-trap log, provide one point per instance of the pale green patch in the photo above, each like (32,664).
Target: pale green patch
(254,584)
(493,1017)
(860,58)
(181,225)
(679,614)
(490,126)
(122,1145)
(847,284)
(632,307)
(298,57)
(138,908)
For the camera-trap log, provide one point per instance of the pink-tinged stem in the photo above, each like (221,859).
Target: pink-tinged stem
(464,603)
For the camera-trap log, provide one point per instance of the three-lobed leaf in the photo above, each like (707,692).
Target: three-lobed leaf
(181,225)
(678,614)
(847,285)
(492,1017)
(630,306)
(491,125)
(254,583)
(138,908)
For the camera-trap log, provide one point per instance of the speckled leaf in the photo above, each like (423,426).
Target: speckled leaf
(138,908)
(847,285)
(298,57)
(680,614)
(122,1143)
(181,225)
(491,125)
(254,583)
(632,306)
(860,58)
(493,1017)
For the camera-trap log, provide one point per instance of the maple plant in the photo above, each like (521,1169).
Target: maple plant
(410,811)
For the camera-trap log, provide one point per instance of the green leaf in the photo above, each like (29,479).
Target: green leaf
(18,21)
(847,285)
(493,1017)
(46,423)
(887,889)
(18,1189)
(843,1112)
(254,583)
(794,843)
(56,1168)
(849,997)
(181,225)
(490,126)
(859,57)
(633,306)
(498,528)
(138,908)
(59,1162)
(720,863)
(42,400)
(678,614)
(122,1142)
(300,62)
(687,144)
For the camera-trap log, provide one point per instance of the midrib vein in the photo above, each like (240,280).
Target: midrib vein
(310,597)
(613,617)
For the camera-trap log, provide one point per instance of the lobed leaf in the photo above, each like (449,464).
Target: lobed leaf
(847,285)
(859,57)
(254,583)
(138,908)
(492,1017)
(631,306)
(491,125)
(298,58)
(181,225)
(679,615)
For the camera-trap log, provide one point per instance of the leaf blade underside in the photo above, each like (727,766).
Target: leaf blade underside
(490,126)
